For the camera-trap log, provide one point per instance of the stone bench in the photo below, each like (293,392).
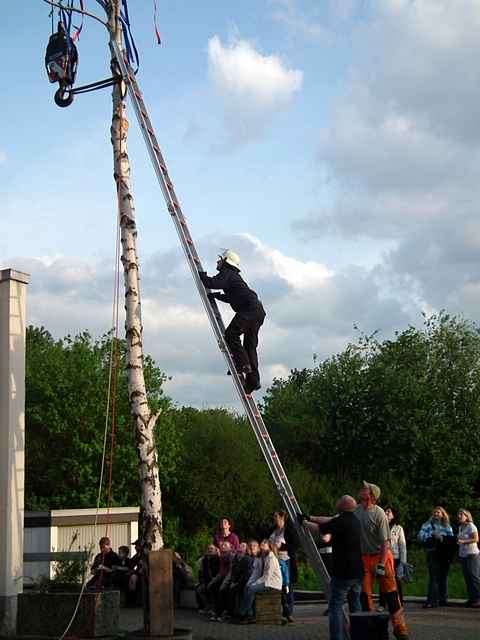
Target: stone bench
(268,607)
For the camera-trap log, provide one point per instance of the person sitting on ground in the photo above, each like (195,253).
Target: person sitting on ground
(248,318)
(469,554)
(347,565)
(399,549)
(218,587)
(239,574)
(283,535)
(439,541)
(103,566)
(270,580)
(182,573)
(225,534)
(208,570)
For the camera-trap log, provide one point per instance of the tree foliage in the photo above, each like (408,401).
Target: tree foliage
(403,413)
(66,402)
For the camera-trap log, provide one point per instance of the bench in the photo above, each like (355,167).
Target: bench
(268,607)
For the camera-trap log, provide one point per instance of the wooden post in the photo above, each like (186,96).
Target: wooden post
(159,617)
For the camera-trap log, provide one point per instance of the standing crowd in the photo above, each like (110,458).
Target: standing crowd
(368,544)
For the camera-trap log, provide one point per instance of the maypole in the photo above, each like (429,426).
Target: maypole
(143,420)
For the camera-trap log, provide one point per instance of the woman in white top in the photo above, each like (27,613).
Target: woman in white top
(469,555)
(398,546)
(270,580)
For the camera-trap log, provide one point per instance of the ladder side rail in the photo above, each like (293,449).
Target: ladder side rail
(293,508)
(283,486)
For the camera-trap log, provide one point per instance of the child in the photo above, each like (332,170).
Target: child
(122,570)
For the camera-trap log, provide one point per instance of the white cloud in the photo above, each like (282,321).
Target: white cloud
(253,87)
(310,309)
(402,151)
(243,74)
(299,23)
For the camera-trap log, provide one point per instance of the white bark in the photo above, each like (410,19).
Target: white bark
(150,522)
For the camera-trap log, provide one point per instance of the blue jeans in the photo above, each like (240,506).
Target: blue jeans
(341,590)
(471,573)
(437,579)
(249,598)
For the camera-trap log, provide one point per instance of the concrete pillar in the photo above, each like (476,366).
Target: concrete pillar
(13,290)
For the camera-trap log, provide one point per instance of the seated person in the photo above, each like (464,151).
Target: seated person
(182,573)
(270,580)
(122,571)
(239,574)
(103,566)
(208,570)
(256,561)
(135,576)
(218,588)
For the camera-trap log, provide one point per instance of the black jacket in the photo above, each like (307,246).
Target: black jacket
(209,568)
(236,291)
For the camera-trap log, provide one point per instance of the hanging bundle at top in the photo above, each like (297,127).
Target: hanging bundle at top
(61,60)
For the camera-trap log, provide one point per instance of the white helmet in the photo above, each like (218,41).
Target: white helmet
(231,258)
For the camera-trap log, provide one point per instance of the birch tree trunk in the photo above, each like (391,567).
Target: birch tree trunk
(150,520)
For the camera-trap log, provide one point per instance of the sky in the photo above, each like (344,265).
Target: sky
(334,145)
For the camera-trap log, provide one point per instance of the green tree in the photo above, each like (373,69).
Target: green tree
(66,397)
(402,412)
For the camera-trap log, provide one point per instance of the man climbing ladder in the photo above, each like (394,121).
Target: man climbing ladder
(248,318)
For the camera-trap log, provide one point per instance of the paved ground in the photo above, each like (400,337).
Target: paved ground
(450,623)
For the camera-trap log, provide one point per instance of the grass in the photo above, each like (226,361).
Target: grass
(456,586)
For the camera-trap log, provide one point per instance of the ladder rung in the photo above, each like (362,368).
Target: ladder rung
(171,208)
(137,95)
(190,241)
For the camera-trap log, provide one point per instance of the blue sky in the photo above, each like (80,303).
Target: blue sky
(334,145)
